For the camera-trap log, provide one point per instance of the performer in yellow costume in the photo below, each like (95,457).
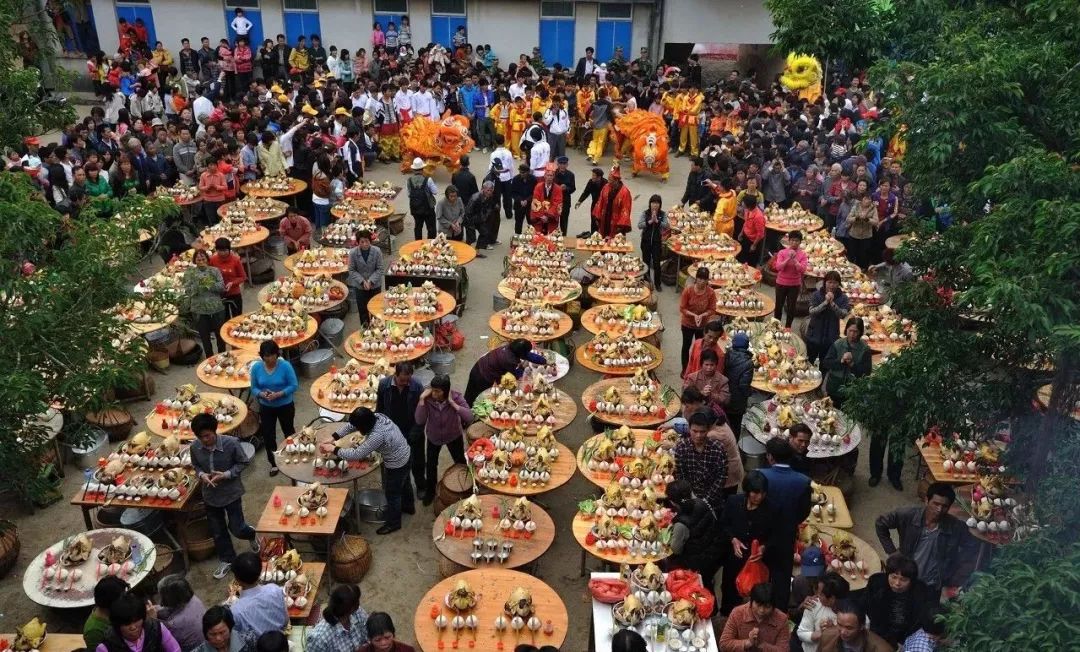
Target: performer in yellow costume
(500,115)
(584,97)
(442,141)
(647,134)
(726,207)
(688,111)
(520,117)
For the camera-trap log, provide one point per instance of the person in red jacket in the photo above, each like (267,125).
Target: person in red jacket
(791,263)
(242,60)
(547,203)
(296,229)
(612,210)
(752,237)
(212,186)
(232,271)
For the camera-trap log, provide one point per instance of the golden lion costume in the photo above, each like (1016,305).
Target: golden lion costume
(444,141)
(648,133)
(803,75)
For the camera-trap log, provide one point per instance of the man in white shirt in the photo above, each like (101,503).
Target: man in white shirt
(403,103)
(423,102)
(501,170)
(539,157)
(517,89)
(201,109)
(557,121)
(240,24)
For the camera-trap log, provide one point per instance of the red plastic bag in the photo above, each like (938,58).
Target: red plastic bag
(753,573)
(686,585)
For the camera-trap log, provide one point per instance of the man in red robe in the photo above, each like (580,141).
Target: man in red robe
(612,210)
(547,203)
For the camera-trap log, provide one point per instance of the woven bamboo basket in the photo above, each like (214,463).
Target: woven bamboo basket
(350,559)
(118,422)
(454,485)
(9,546)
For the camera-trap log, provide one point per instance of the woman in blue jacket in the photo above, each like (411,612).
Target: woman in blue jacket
(273,383)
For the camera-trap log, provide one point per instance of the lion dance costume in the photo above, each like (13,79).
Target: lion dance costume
(802,74)
(648,133)
(444,141)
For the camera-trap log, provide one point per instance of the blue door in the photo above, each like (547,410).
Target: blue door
(300,23)
(444,27)
(385,19)
(255,36)
(610,33)
(132,12)
(557,41)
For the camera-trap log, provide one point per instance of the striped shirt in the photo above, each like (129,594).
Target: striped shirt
(384,438)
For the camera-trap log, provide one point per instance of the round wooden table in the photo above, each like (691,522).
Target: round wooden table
(864,552)
(599,291)
(894,241)
(498,322)
(712,252)
(565,411)
(608,245)
(234,382)
(809,224)
(295,186)
(458,547)
(595,392)
(464,253)
(258,236)
(604,273)
(256,209)
(321,395)
(340,264)
(310,329)
(766,309)
(178,199)
(155,426)
(493,587)
(48,593)
(445,304)
(621,326)
(361,210)
(142,328)
(603,478)
(562,469)
(264,296)
(298,471)
(847,269)
(583,524)
(763,385)
(727,273)
(353,348)
(851,433)
(554,300)
(589,363)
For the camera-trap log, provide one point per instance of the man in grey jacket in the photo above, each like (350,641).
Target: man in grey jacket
(365,272)
(218,461)
(930,536)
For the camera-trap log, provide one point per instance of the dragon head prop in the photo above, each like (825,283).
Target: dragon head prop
(802,73)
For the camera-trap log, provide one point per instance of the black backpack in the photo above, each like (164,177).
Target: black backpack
(421,201)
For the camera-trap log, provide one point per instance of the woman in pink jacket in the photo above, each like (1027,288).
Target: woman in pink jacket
(791,264)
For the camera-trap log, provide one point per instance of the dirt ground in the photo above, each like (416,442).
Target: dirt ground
(406,563)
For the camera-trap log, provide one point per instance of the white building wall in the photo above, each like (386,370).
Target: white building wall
(511,27)
(272,21)
(716,21)
(105,21)
(347,23)
(191,19)
(640,31)
(585,16)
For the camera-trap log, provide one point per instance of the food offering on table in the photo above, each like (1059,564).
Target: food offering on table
(30,636)
(741,302)
(468,517)
(518,521)
(822,510)
(117,551)
(461,599)
(597,242)
(272,184)
(341,234)
(353,385)
(727,273)
(550,286)
(818,243)
(616,456)
(514,468)
(647,401)
(298,592)
(393,340)
(284,325)
(629,290)
(779,366)
(529,235)
(141,314)
(313,500)
(227,366)
(992,507)
(795,218)
(137,452)
(530,321)
(819,264)
(361,212)
(884,327)
(964,458)
(538,253)
(234,230)
(411,303)
(831,431)
(180,193)
(385,191)
(630,612)
(553,369)
(321,260)
(864,291)
(690,219)
(526,403)
(628,522)
(177,412)
(303,293)
(254,208)
(839,550)
(123,476)
(614,264)
(704,244)
(624,352)
(618,319)
(435,257)
(283,568)
(170,277)
(608,591)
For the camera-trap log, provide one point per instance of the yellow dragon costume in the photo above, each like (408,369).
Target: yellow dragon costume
(803,75)
(443,141)
(648,133)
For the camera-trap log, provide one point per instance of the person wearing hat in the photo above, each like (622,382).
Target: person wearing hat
(565,178)
(31,161)
(547,202)
(612,211)
(421,190)
(739,369)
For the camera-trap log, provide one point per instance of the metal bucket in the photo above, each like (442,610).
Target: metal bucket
(276,245)
(333,331)
(424,376)
(753,453)
(316,363)
(372,505)
(441,362)
(145,521)
(86,457)
(499,302)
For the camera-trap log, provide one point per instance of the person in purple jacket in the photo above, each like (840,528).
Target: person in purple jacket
(493,364)
(444,415)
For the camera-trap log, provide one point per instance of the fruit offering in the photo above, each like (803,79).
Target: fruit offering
(992,507)
(392,339)
(180,192)
(371,190)
(883,327)
(435,257)
(597,242)
(353,386)
(620,352)
(707,244)
(795,218)
(819,264)
(818,243)
(254,208)
(322,260)
(272,184)
(609,263)
(530,321)
(227,365)
(234,230)
(138,312)
(727,273)
(283,325)
(303,293)
(865,291)
(617,319)
(633,289)
(730,300)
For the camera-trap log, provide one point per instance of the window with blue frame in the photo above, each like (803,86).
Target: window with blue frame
(301,18)
(557,32)
(446,17)
(614,28)
(253,12)
(390,11)
(133,10)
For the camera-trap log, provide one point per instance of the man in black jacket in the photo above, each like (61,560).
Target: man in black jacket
(739,369)
(464,180)
(930,536)
(695,537)
(481,219)
(189,59)
(695,191)
(565,178)
(586,65)
(521,192)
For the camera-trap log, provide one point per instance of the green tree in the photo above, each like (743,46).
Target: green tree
(851,31)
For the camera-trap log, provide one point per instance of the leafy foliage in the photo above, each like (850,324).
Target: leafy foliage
(853,31)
